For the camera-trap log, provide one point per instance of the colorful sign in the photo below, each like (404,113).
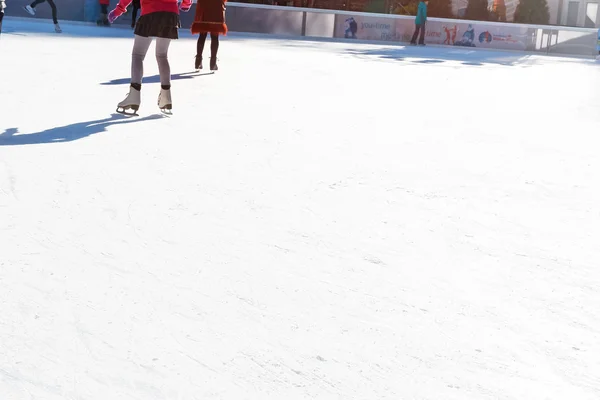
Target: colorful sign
(364,27)
(466,34)
(441,32)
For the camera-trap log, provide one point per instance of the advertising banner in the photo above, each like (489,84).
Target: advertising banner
(482,35)
(598,45)
(365,27)
(450,33)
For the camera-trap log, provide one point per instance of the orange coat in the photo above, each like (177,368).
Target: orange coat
(210,17)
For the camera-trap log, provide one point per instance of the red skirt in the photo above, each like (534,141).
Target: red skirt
(210,17)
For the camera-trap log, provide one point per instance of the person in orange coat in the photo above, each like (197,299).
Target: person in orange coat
(209,18)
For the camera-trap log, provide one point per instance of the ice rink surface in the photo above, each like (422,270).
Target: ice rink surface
(317,220)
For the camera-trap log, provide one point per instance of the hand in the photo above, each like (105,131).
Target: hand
(111,16)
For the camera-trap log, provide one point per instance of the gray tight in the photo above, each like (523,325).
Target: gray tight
(140,48)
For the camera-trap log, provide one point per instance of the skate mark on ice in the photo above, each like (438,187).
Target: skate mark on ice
(68,133)
(199,362)
(133,226)
(374,260)
(278,373)
(12,182)
(22,380)
(264,368)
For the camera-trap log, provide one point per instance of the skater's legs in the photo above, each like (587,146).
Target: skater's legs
(414,37)
(103,20)
(54,13)
(140,48)
(214,45)
(421,38)
(36,2)
(52,6)
(200,44)
(164,69)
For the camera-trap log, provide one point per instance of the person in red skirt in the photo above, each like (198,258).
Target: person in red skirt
(209,18)
(159,19)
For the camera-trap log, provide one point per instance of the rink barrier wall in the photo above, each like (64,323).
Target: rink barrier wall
(306,22)
(347,25)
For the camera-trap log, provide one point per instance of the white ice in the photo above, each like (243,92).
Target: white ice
(317,220)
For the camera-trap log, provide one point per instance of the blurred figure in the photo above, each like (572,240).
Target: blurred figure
(598,46)
(31,10)
(103,13)
(420,21)
(2,7)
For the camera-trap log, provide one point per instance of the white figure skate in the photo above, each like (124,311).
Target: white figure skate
(131,102)
(164,101)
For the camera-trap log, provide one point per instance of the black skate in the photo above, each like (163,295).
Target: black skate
(103,21)
(198,63)
(213,64)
